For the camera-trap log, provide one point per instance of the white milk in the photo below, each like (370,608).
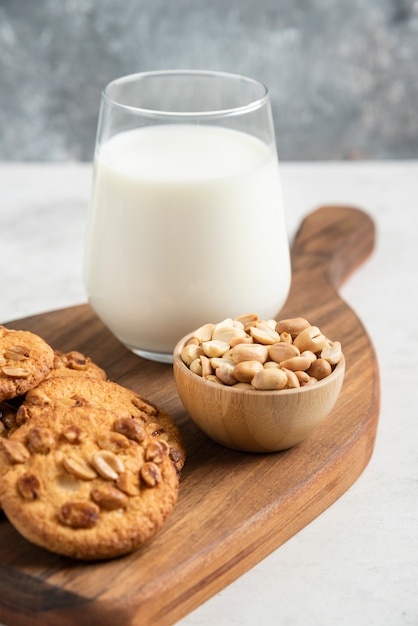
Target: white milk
(186,226)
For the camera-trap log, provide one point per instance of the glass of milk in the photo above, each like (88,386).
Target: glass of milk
(186,223)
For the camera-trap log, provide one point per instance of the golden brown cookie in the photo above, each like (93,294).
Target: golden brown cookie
(72,390)
(85,481)
(25,360)
(75,364)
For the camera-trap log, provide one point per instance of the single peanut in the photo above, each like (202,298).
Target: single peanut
(150,474)
(237,340)
(309,354)
(310,338)
(22,415)
(320,369)
(196,366)
(292,379)
(109,498)
(227,334)
(296,363)
(29,486)
(107,464)
(114,442)
(247,320)
(281,351)
(15,372)
(204,333)
(215,347)
(245,371)
(214,379)
(292,326)
(218,361)
(226,323)
(157,451)
(79,514)
(264,334)
(225,373)
(190,353)
(74,434)
(128,483)
(332,352)
(245,386)
(247,352)
(78,467)
(40,440)
(130,428)
(140,404)
(270,379)
(16,353)
(206,366)
(15,451)
(312,380)
(303,377)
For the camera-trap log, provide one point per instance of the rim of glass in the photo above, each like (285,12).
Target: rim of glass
(254,104)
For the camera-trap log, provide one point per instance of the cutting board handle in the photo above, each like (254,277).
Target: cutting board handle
(330,244)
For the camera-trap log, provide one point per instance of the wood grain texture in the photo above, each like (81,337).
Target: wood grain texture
(234,508)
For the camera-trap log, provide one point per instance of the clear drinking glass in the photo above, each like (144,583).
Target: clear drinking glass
(186,223)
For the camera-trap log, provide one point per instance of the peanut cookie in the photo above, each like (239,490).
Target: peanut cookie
(85,481)
(25,360)
(71,390)
(75,364)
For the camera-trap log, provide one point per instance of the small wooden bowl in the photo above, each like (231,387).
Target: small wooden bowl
(255,421)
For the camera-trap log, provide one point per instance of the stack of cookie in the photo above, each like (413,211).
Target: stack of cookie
(88,468)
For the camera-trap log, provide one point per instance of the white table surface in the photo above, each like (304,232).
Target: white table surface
(357,563)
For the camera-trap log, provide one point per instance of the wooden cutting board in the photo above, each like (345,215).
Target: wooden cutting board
(233,508)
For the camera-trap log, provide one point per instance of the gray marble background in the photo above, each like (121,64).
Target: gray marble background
(342,73)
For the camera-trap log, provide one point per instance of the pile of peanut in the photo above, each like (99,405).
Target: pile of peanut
(250,353)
